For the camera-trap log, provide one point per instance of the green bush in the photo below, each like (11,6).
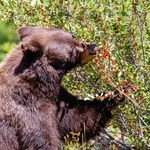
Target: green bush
(7,38)
(121,29)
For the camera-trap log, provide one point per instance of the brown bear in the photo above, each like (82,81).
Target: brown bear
(36,111)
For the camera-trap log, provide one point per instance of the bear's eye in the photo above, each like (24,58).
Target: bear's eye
(73,37)
(83,46)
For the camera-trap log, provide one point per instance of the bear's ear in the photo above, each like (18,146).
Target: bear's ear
(23,32)
(28,39)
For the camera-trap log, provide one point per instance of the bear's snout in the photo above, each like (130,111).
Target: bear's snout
(92,49)
(88,54)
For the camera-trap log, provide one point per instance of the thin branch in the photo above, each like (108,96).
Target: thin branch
(116,142)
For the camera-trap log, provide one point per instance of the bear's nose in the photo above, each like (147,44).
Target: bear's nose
(92,48)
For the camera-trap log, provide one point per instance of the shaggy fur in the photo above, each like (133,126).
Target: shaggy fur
(36,112)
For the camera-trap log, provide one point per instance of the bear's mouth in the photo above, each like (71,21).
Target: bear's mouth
(88,54)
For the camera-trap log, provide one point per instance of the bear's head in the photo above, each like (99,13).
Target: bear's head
(60,49)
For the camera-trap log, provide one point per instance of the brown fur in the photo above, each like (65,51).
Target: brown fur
(36,112)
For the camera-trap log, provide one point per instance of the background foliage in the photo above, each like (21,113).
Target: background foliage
(121,29)
(7,38)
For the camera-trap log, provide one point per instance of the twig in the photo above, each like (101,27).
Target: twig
(135,104)
(123,121)
(116,142)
